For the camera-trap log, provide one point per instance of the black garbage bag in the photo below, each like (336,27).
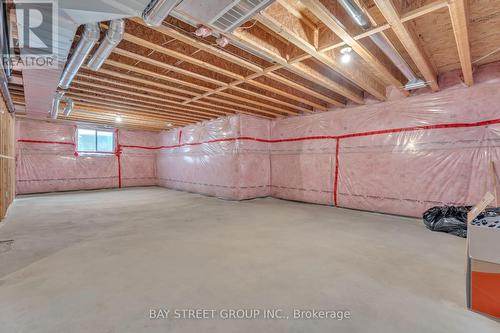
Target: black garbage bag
(450,219)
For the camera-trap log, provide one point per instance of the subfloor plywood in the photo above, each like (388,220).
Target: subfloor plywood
(98,261)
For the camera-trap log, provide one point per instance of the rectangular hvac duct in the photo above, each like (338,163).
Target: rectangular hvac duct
(224,15)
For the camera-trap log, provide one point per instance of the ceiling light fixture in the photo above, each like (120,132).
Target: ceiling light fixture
(346,55)
(118,119)
(169,125)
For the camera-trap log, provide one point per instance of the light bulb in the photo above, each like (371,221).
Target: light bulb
(118,119)
(345,58)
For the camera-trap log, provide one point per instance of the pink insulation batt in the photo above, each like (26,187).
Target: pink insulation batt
(53,166)
(222,166)
(400,157)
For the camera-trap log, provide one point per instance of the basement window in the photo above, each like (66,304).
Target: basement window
(94,141)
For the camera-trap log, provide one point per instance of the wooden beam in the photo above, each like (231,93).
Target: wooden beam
(107,100)
(411,15)
(186,83)
(423,10)
(297,13)
(216,69)
(166,66)
(409,39)
(304,89)
(301,69)
(179,111)
(162,101)
(159,64)
(107,117)
(170,32)
(321,12)
(459,20)
(259,71)
(7,161)
(166,109)
(206,106)
(281,25)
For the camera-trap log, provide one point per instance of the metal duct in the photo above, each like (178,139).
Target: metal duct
(113,37)
(157,11)
(389,51)
(54,110)
(69,106)
(56,103)
(87,41)
(356,13)
(362,20)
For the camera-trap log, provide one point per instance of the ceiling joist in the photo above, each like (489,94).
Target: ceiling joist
(458,13)
(409,39)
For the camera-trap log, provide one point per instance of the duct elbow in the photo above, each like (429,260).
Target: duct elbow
(56,101)
(157,11)
(69,106)
(113,37)
(88,39)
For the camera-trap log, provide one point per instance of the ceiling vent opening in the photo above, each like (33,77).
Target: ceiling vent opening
(237,13)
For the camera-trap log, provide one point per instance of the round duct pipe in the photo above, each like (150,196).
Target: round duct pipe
(87,41)
(113,37)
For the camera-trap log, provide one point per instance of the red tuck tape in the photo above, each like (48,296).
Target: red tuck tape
(48,142)
(118,154)
(336,177)
(304,138)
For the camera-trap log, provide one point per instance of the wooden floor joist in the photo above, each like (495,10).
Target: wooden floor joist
(241,79)
(284,61)
(280,24)
(458,13)
(410,41)
(318,9)
(244,63)
(186,83)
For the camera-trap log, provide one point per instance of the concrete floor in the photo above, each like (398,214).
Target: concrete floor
(98,261)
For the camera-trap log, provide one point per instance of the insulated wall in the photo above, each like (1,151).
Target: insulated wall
(401,156)
(210,158)
(137,165)
(398,157)
(47,160)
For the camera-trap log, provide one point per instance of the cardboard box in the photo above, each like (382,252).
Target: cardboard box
(483,272)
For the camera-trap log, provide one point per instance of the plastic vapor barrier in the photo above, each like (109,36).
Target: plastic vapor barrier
(210,159)
(138,165)
(47,160)
(402,156)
